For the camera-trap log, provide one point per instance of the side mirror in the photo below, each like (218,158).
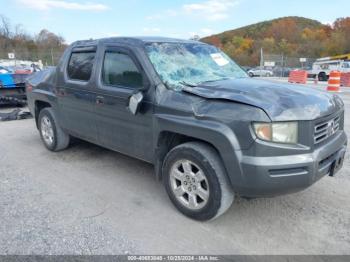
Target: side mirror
(134,102)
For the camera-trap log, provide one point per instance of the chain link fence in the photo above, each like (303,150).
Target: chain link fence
(19,57)
(281,65)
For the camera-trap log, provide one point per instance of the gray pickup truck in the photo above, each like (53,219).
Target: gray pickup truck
(210,130)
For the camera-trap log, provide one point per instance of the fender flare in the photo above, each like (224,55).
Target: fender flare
(42,96)
(217,134)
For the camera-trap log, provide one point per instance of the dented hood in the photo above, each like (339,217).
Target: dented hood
(282,102)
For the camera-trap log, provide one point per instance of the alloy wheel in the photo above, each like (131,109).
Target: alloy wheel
(47,130)
(189,184)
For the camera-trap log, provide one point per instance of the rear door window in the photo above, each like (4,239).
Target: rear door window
(80,65)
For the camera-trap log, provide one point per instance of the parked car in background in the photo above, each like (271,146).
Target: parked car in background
(23,71)
(12,84)
(259,72)
(4,70)
(281,71)
(246,68)
(210,130)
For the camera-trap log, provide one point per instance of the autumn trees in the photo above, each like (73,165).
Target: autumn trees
(290,36)
(45,46)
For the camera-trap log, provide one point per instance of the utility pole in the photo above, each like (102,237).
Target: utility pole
(52,57)
(282,72)
(14,53)
(261,58)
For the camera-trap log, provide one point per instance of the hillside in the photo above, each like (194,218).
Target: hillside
(290,36)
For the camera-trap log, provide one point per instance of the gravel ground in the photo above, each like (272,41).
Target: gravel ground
(89,200)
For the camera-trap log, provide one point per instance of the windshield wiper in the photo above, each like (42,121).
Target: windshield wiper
(215,80)
(184,83)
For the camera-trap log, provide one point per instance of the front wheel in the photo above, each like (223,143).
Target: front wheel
(196,181)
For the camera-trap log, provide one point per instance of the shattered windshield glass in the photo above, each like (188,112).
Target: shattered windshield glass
(190,64)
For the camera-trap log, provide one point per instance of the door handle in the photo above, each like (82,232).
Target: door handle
(99,100)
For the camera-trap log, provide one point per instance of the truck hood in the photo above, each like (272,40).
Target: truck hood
(281,102)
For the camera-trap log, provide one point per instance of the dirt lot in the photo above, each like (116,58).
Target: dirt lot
(88,200)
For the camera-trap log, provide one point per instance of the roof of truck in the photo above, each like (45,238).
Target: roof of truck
(136,40)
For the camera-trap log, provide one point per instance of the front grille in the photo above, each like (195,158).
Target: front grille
(326,129)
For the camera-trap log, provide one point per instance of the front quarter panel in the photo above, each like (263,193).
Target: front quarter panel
(237,116)
(223,124)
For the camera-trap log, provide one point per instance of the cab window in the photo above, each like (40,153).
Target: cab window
(120,70)
(80,65)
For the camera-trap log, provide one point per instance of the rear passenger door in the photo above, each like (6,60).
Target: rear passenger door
(76,94)
(121,75)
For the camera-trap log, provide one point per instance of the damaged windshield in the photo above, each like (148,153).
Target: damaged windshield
(190,64)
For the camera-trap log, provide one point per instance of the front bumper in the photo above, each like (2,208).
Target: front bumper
(270,176)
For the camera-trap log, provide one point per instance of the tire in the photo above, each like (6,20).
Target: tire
(251,74)
(210,192)
(55,139)
(322,76)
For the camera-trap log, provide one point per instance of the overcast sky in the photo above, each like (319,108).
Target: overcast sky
(83,19)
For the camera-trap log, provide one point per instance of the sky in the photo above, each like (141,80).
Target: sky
(84,19)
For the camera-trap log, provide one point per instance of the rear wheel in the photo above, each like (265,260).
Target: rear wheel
(52,135)
(196,181)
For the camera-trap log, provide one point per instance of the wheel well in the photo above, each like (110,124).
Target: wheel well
(39,105)
(168,140)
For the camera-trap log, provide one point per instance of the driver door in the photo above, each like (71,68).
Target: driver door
(121,76)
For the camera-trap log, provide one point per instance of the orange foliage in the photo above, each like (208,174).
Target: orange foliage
(291,36)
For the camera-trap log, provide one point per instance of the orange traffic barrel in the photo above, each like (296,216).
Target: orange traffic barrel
(334,81)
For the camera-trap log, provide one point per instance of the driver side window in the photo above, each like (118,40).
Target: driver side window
(120,70)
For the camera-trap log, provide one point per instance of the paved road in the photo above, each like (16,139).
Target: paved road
(88,200)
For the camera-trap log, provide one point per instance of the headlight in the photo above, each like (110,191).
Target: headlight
(279,132)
